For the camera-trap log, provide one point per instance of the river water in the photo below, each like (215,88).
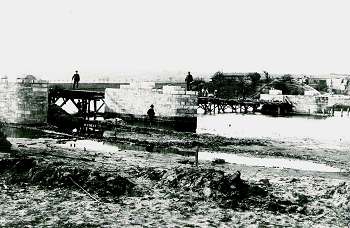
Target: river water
(323,129)
(310,133)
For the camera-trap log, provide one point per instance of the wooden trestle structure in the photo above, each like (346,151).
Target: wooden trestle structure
(218,105)
(87,102)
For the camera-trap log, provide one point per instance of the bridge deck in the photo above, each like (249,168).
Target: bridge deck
(213,104)
(76,94)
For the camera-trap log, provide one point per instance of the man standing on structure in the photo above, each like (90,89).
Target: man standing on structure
(151,114)
(189,80)
(76,79)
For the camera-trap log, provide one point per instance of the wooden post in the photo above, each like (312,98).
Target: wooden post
(95,109)
(341,112)
(85,114)
(88,114)
(348,111)
(196,155)
(89,108)
(278,110)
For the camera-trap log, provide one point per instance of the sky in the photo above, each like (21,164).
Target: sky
(52,39)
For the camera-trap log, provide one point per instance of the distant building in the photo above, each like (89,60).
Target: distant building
(332,83)
(338,83)
(275,92)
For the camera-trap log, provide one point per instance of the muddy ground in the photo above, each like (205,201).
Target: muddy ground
(149,179)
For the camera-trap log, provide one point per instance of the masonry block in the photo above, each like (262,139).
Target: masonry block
(24,102)
(136,100)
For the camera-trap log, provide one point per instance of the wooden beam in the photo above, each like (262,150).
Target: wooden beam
(101,105)
(64,102)
(76,105)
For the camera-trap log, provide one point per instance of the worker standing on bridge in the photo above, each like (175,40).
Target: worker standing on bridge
(76,79)
(151,114)
(189,80)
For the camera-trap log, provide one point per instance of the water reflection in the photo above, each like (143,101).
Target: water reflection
(19,132)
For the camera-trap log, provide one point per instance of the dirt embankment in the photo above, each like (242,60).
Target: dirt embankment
(60,175)
(204,182)
(227,190)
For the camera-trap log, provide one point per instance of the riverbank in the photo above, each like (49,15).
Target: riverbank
(147,177)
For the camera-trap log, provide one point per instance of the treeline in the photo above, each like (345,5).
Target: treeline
(246,86)
(242,86)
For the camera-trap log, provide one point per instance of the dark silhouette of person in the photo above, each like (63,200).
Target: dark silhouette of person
(151,114)
(76,79)
(79,106)
(189,80)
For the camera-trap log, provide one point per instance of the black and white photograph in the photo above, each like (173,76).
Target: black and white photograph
(186,113)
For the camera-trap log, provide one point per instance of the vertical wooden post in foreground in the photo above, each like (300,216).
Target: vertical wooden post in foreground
(196,155)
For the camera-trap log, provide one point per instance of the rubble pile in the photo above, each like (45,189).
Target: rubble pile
(227,189)
(340,197)
(57,174)
(207,182)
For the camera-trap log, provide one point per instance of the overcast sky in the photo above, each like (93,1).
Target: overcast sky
(52,39)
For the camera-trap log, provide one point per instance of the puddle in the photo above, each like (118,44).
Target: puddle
(268,162)
(90,145)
